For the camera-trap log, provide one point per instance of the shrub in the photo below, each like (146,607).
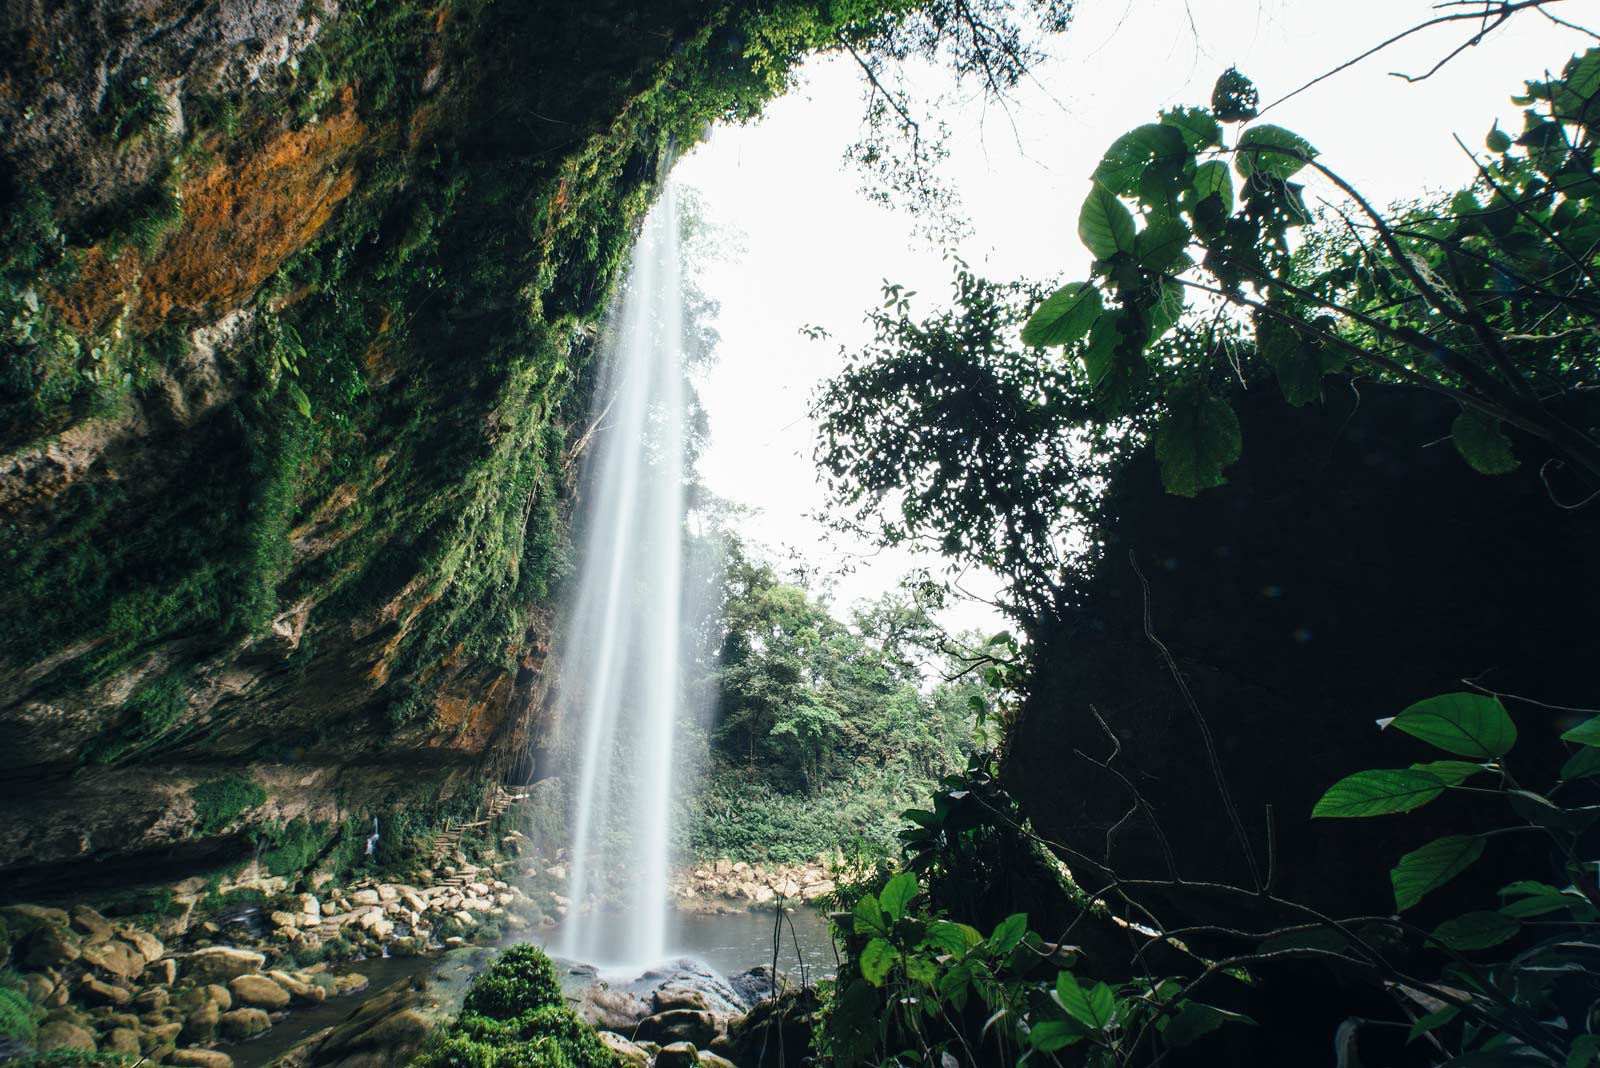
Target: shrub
(521,980)
(16,1016)
(219,802)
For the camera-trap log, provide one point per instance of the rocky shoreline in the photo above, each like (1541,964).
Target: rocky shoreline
(735,885)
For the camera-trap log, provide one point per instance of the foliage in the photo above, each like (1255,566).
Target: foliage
(16,1015)
(919,988)
(823,729)
(514,1017)
(1490,299)
(73,1058)
(1514,969)
(218,802)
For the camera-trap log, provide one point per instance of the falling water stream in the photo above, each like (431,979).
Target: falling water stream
(620,648)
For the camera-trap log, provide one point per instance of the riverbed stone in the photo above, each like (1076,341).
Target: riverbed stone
(114,957)
(218,964)
(243,1023)
(679,1025)
(163,972)
(121,1040)
(59,1034)
(259,991)
(149,946)
(153,999)
(714,1060)
(678,1055)
(625,1054)
(51,946)
(350,983)
(301,991)
(201,1024)
(90,924)
(200,1058)
(100,992)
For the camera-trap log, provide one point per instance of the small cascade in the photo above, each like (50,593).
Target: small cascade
(619,649)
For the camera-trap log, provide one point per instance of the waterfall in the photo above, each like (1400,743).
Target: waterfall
(619,651)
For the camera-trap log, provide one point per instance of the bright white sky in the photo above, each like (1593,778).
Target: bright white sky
(817,251)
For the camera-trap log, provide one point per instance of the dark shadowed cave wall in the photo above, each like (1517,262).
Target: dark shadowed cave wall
(297,301)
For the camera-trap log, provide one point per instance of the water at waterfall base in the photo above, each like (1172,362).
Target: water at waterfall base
(729,942)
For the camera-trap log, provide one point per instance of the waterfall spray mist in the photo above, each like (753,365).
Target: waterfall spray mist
(620,649)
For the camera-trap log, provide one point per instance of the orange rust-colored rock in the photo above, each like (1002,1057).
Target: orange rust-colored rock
(241,220)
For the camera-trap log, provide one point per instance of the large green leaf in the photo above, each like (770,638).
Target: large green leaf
(1482,443)
(1197,438)
(897,894)
(1378,792)
(1584,764)
(1453,772)
(1212,179)
(1158,245)
(1272,151)
(1467,724)
(1476,930)
(1008,933)
(1092,1007)
(1194,1020)
(1051,1035)
(876,960)
(1199,128)
(1105,224)
(1585,733)
(1424,870)
(869,917)
(1064,317)
(1130,154)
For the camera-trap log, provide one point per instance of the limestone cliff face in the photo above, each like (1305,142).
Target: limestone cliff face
(296,302)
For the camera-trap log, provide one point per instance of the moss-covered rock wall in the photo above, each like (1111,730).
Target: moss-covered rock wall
(296,302)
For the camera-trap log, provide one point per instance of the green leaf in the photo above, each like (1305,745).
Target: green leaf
(1008,934)
(876,960)
(1158,245)
(1453,772)
(868,917)
(1482,443)
(1468,724)
(1051,1035)
(1093,1008)
(1584,764)
(1167,310)
(1585,733)
(301,401)
(1064,317)
(1498,140)
(1424,870)
(897,894)
(1198,127)
(1432,1021)
(1195,1020)
(921,969)
(955,984)
(1212,179)
(1197,438)
(953,938)
(1476,930)
(1272,151)
(1105,224)
(1584,1052)
(1378,792)
(1300,374)
(1130,154)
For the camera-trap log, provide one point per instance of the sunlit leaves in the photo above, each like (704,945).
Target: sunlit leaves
(1159,245)
(1064,317)
(1198,437)
(1378,792)
(1273,152)
(1105,224)
(1424,870)
(1093,1006)
(876,960)
(1135,151)
(897,894)
(1466,724)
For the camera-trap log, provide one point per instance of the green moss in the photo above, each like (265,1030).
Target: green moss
(514,1017)
(219,802)
(73,1058)
(16,1015)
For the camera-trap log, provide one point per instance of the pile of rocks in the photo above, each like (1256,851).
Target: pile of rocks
(723,884)
(114,988)
(677,1017)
